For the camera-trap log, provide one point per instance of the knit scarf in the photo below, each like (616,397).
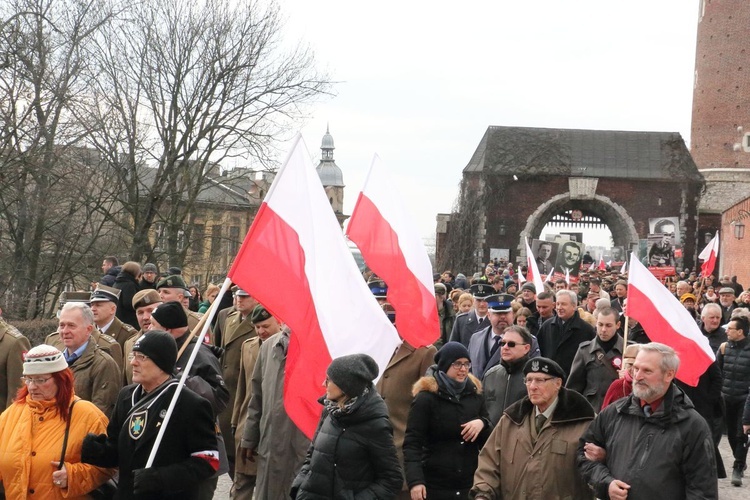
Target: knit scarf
(452,387)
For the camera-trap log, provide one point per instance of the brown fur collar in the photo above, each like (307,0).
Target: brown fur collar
(429,384)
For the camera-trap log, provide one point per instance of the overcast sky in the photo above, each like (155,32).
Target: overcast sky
(420,82)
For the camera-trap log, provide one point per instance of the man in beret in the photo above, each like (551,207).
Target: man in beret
(144,302)
(204,377)
(245,470)
(237,329)
(537,438)
(652,443)
(173,288)
(466,324)
(104,306)
(188,454)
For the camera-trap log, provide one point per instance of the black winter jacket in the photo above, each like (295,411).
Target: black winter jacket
(735,367)
(128,287)
(435,454)
(352,456)
(669,455)
(560,342)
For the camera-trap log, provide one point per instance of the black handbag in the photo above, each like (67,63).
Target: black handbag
(104,492)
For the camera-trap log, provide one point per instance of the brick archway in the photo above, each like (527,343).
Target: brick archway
(615,216)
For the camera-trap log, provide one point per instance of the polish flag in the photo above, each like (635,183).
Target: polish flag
(532,270)
(665,320)
(390,244)
(521,279)
(708,255)
(296,262)
(602,265)
(624,267)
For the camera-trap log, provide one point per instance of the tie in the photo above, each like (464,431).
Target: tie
(495,347)
(72,358)
(481,321)
(540,419)
(647,410)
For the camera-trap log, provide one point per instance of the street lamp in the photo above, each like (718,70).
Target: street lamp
(739,226)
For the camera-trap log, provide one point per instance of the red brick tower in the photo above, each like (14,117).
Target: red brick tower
(721,96)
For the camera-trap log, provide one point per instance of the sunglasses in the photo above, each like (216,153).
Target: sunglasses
(510,343)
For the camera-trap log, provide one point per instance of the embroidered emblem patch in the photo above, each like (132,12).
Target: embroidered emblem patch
(137,424)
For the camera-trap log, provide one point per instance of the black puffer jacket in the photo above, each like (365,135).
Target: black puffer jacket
(352,456)
(435,454)
(503,386)
(128,287)
(669,455)
(735,367)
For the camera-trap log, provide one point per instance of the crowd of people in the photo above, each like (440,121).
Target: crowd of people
(525,393)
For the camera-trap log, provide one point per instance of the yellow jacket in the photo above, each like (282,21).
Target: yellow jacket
(31,437)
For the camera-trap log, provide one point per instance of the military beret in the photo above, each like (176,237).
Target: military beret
(500,303)
(173,281)
(543,365)
(146,297)
(104,293)
(259,314)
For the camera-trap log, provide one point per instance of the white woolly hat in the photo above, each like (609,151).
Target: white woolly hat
(43,359)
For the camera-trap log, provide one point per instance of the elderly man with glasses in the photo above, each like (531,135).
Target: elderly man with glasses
(532,451)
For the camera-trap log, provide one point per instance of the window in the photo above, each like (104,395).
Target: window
(234,240)
(199,233)
(215,240)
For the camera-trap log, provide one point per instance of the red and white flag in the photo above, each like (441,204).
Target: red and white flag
(296,262)
(602,266)
(532,270)
(665,320)
(624,267)
(390,244)
(521,279)
(708,255)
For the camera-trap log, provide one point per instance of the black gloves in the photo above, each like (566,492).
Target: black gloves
(146,481)
(93,448)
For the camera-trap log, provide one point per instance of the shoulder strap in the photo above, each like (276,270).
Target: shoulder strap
(67,431)
(723,348)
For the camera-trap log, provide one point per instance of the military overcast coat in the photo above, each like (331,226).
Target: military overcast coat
(12,347)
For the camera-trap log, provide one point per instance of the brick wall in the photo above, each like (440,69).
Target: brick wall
(721,96)
(734,253)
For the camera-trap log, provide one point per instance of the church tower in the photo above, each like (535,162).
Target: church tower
(721,94)
(331,177)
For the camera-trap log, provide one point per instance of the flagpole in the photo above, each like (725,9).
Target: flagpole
(211,313)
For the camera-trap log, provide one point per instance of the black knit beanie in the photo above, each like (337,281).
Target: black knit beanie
(449,353)
(160,347)
(353,373)
(170,315)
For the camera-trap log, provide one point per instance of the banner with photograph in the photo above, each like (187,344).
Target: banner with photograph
(545,254)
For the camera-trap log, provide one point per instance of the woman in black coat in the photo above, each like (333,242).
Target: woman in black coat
(127,282)
(352,453)
(448,425)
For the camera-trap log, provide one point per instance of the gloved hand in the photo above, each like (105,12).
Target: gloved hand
(93,448)
(146,481)
(218,351)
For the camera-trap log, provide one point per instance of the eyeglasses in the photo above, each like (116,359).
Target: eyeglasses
(537,381)
(137,356)
(458,365)
(511,344)
(36,381)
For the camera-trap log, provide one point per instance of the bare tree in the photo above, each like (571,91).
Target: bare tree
(46,225)
(181,86)
(462,238)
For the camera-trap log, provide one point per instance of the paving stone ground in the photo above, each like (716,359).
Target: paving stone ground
(726,490)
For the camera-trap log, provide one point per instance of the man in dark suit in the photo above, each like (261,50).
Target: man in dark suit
(467,324)
(484,346)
